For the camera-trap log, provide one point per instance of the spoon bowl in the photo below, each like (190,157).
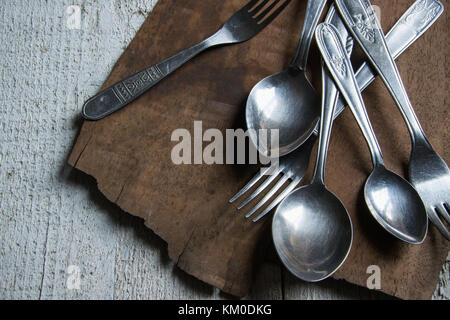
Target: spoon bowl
(396,205)
(312,232)
(311,229)
(285,101)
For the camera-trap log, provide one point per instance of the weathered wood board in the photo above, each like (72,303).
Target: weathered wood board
(129,152)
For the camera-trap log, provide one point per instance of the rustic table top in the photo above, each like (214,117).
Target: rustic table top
(61,239)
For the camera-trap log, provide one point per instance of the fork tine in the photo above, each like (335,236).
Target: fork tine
(434,217)
(259,7)
(267,10)
(445,213)
(250,5)
(270,18)
(260,188)
(269,195)
(250,184)
(278,199)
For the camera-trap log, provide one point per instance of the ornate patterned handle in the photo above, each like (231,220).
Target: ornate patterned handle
(328,86)
(413,23)
(335,57)
(122,93)
(330,96)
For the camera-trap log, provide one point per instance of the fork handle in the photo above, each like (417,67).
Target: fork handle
(124,92)
(329,99)
(313,11)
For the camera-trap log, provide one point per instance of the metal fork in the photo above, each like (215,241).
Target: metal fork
(428,172)
(242,26)
(411,26)
(292,167)
(430,175)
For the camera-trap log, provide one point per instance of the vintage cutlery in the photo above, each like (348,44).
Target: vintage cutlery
(311,229)
(294,165)
(392,201)
(242,26)
(287,101)
(428,172)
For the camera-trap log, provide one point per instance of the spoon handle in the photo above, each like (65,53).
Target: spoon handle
(330,96)
(365,27)
(338,63)
(313,11)
(329,101)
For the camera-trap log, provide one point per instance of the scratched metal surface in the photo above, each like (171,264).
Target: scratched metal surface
(54,223)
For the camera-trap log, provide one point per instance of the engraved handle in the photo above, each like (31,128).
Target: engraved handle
(411,26)
(122,93)
(339,65)
(363,24)
(327,81)
(313,11)
(329,99)
(330,95)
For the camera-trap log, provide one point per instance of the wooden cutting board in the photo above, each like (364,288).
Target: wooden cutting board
(129,152)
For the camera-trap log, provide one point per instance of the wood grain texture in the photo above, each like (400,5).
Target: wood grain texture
(53,217)
(129,152)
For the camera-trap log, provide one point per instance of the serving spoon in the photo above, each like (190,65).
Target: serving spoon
(287,101)
(392,200)
(312,231)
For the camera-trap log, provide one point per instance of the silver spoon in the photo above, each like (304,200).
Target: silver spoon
(428,172)
(287,101)
(312,231)
(392,201)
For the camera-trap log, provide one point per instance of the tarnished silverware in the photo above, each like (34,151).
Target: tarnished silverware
(287,101)
(391,200)
(311,229)
(294,165)
(242,26)
(427,171)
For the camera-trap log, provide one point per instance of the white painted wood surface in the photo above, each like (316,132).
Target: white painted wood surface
(53,217)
